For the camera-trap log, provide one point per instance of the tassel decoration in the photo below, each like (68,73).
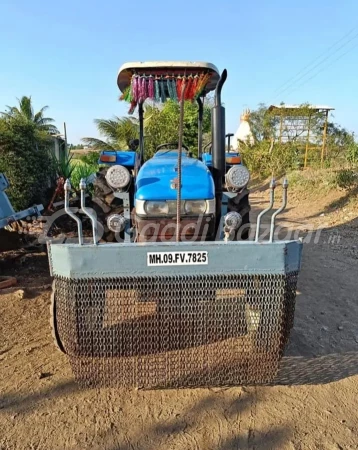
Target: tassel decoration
(178,87)
(183,88)
(162,91)
(157,91)
(188,88)
(194,86)
(169,87)
(142,85)
(124,94)
(151,87)
(132,107)
(203,81)
(174,90)
(128,95)
(161,88)
(135,94)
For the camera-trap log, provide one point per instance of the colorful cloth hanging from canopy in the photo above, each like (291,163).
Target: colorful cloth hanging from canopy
(159,88)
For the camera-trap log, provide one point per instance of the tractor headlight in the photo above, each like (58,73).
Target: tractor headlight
(195,207)
(118,177)
(237,177)
(156,208)
(233,220)
(169,207)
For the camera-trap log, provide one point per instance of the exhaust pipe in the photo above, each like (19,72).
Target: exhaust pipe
(218,127)
(218,144)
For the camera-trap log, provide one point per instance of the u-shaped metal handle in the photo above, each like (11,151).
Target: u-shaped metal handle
(283,206)
(67,188)
(86,211)
(265,211)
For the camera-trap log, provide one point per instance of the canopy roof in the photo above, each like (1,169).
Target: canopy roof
(178,68)
(315,108)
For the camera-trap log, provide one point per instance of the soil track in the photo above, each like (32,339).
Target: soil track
(312,404)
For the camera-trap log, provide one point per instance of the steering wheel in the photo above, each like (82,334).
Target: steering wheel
(207,146)
(171,144)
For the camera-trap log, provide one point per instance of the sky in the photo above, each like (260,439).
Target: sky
(67,54)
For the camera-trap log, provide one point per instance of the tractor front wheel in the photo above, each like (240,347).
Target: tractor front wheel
(241,204)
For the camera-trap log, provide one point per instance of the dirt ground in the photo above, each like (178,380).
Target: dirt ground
(312,404)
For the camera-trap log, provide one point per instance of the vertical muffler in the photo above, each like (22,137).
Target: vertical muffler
(218,142)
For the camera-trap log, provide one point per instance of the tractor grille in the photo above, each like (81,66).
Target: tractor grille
(175,331)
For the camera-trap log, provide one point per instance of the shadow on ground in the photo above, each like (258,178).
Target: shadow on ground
(298,370)
(196,427)
(17,403)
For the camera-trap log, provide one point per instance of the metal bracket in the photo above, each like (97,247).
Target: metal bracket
(124,196)
(226,196)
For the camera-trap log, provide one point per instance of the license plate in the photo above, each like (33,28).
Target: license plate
(177,258)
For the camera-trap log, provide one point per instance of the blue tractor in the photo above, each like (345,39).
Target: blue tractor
(183,296)
(149,192)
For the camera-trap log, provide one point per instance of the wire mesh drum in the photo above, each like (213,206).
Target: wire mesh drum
(173,330)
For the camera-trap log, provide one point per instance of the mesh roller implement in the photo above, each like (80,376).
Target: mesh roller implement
(175,331)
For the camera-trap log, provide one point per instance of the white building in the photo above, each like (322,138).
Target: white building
(243,135)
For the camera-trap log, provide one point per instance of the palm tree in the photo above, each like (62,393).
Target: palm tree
(118,132)
(25,111)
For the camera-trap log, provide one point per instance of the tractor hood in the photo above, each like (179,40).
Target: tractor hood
(156,177)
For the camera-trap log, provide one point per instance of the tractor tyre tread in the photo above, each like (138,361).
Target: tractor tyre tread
(53,322)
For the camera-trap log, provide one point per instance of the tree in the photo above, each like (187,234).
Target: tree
(271,155)
(262,123)
(161,125)
(25,153)
(118,132)
(25,112)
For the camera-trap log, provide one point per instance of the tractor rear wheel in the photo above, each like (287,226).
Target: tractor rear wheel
(53,322)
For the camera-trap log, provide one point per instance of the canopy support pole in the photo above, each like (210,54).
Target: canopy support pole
(180,145)
(141,133)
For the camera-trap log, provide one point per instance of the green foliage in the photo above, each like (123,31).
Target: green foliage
(25,153)
(81,170)
(25,113)
(161,125)
(265,158)
(312,180)
(266,124)
(352,153)
(347,179)
(341,147)
(118,132)
(262,123)
(26,161)
(63,165)
(90,158)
